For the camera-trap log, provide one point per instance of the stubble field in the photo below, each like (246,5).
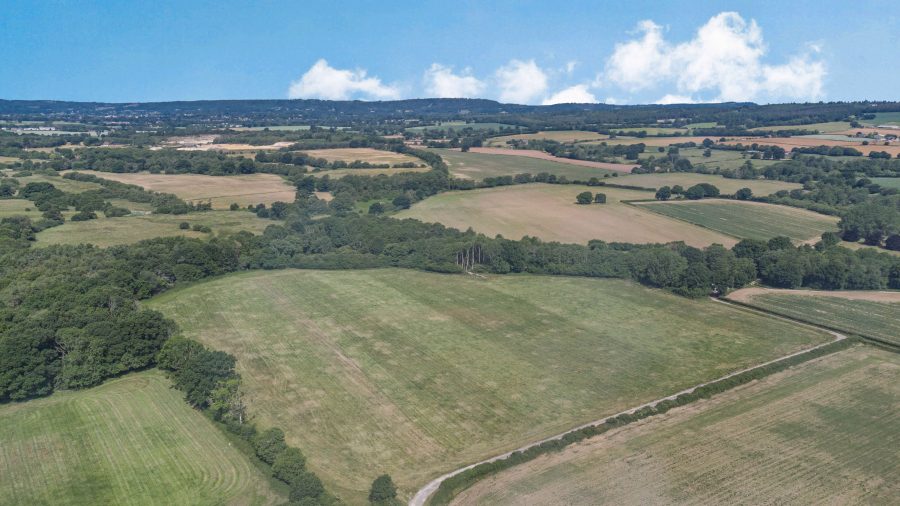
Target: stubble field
(825,432)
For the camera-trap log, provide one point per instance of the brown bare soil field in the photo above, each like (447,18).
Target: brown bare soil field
(362,154)
(530,153)
(220,190)
(791,142)
(824,432)
(745,294)
(550,212)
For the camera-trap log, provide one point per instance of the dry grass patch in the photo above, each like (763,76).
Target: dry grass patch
(541,155)
(339,173)
(550,212)
(824,432)
(364,155)
(220,190)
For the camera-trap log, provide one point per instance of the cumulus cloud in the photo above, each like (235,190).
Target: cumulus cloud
(520,82)
(675,99)
(326,82)
(441,82)
(724,60)
(577,94)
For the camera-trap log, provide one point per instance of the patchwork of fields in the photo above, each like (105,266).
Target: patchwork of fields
(748,220)
(825,432)
(132,440)
(415,374)
(550,212)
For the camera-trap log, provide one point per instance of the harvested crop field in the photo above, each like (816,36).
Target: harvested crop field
(541,155)
(415,373)
(825,128)
(870,313)
(566,136)
(222,191)
(748,220)
(105,232)
(550,213)
(478,166)
(687,179)
(132,440)
(364,155)
(824,432)
(339,173)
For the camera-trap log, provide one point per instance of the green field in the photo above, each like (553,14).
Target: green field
(718,158)
(688,179)
(887,182)
(415,374)
(825,432)
(879,319)
(61,183)
(11,207)
(129,229)
(831,126)
(566,136)
(132,440)
(460,125)
(884,118)
(749,220)
(481,165)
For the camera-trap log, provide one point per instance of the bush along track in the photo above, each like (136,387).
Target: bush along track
(446,487)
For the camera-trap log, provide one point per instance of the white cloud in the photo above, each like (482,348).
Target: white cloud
(520,82)
(675,99)
(326,82)
(441,82)
(577,94)
(723,60)
(571,65)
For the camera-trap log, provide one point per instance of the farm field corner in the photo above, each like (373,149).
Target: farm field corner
(821,432)
(132,440)
(415,374)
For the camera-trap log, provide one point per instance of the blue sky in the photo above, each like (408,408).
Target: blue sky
(528,51)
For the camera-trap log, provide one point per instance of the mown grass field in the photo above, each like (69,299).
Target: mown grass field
(66,185)
(688,179)
(339,173)
(12,207)
(884,118)
(879,318)
(825,432)
(363,154)
(566,136)
(748,220)
(459,126)
(415,374)
(132,440)
(222,191)
(887,182)
(550,212)
(481,165)
(105,232)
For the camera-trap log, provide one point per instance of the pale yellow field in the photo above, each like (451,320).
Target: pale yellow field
(220,190)
(362,154)
(559,136)
(550,213)
(825,432)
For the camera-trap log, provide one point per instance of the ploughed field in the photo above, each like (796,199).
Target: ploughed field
(824,432)
(221,191)
(875,314)
(416,374)
(748,220)
(549,212)
(132,440)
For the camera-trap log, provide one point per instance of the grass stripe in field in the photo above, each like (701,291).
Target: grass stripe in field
(132,440)
(416,374)
(748,220)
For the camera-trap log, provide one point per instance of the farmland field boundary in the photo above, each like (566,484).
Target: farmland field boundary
(442,490)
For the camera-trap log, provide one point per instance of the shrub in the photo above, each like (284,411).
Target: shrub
(306,485)
(269,444)
(600,198)
(383,489)
(289,465)
(584,198)
(184,225)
